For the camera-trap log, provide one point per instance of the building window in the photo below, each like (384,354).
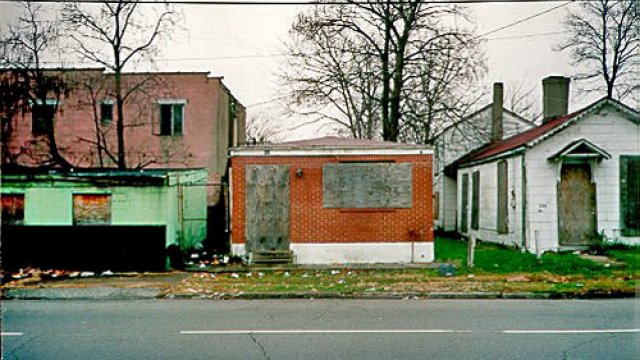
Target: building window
(464,204)
(106,111)
(41,118)
(367,185)
(630,195)
(12,208)
(91,209)
(475,200)
(171,117)
(503,197)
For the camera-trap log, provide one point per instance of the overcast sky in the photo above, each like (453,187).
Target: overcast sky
(244,44)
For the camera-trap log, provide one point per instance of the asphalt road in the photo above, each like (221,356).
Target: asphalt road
(322,329)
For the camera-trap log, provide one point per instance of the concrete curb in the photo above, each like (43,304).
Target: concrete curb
(152,293)
(88,293)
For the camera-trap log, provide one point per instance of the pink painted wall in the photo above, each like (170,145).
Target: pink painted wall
(208,127)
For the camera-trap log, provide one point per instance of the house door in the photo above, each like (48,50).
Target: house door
(267,207)
(576,206)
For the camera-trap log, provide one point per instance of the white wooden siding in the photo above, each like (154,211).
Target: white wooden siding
(488,224)
(610,131)
(458,141)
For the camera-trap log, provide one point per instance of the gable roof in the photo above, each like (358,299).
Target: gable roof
(581,148)
(481,110)
(534,136)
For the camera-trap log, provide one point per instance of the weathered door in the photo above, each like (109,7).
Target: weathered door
(576,206)
(267,207)
(464,216)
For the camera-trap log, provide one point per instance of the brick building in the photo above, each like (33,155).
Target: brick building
(333,200)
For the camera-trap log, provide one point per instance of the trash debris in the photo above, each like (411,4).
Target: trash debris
(106,273)
(234,275)
(87,274)
(260,274)
(74,274)
(341,281)
(447,270)
(335,272)
(248,275)
(286,274)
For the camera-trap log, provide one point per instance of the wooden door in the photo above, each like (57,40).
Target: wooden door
(267,207)
(576,206)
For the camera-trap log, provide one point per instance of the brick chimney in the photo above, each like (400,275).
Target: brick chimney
(496,119)
(555,97)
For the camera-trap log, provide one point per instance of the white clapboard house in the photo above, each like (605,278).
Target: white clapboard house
(565,185)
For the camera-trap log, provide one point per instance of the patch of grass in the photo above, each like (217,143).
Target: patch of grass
(493,258)
(630,256)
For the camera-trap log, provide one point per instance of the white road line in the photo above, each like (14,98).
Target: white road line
(400,331)
(346,331)
(572,331)
(11,334)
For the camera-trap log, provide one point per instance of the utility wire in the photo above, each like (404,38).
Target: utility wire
(520,21)
(290,3)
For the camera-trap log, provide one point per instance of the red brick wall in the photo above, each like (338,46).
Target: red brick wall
(311,223)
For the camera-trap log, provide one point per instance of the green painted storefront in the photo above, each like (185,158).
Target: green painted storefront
(170,204)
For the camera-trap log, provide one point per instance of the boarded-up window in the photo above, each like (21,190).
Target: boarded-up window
(436,205)
(12,208)
(91,209)
(630,195)
(464,216)
(475,200)
(503,196)
(367,185)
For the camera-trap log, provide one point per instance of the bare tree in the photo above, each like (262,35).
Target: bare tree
(30,40)
(605,40)
(116,35)
(263,128)
(521,99)
(357,63)
(440,93)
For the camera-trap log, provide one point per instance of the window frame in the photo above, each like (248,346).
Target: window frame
(502,198)
(173,104)
(41,129)
(475,200)
(13,221)
(625,161)
(74,211)
(103,119)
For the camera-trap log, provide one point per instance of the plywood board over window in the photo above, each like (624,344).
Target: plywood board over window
(367,185)
(503,196)
(12,208)
(475,200)
(91,209)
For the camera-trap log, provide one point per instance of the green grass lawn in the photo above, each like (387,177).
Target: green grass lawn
(492,258)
